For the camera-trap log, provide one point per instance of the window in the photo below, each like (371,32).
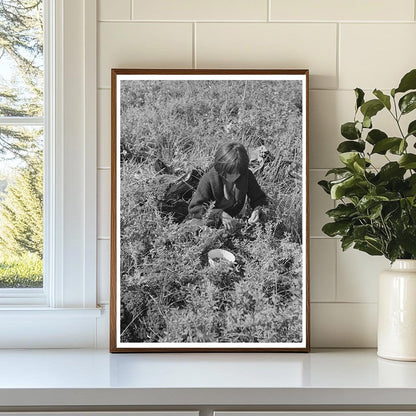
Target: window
(63,312)
(21,143)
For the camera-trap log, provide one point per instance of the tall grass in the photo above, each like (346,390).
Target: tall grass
(168,291)
(25,271)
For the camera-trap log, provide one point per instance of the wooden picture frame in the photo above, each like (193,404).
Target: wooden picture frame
(169,291)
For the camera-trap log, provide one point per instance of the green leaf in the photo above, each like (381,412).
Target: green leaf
(408,82)
(367,248)
(399,150)
(393,249)
(371,108)
(340,189)
(391,170)
(368,201)
(336,228)
(359,166)
(385,99)
(325,186)
(346,242)
(411,130)
(350,131)
(408,161)
(375,136)
(342,178)
(407,240)
(349,158)
(342,211)
(411,181)
(386,144)
(375,211)
(338,171)
(367,122)
(359,95)
(408,102)
(402,147)
(361,231)
(349,146)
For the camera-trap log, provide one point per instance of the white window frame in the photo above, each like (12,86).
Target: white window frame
(64,312)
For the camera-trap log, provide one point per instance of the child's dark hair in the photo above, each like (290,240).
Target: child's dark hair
(231,158)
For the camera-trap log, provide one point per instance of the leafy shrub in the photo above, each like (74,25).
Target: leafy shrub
(25,271)
(377,204)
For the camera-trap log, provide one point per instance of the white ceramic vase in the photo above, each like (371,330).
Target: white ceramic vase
(397,312)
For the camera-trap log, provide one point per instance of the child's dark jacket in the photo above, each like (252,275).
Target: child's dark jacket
(211,189)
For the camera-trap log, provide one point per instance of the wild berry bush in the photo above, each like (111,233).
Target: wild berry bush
(169,292)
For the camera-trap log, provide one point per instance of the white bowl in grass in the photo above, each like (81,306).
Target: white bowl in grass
(217,255)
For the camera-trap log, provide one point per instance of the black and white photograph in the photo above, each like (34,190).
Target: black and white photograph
(209,240)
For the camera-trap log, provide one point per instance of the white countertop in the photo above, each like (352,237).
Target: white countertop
(91,377)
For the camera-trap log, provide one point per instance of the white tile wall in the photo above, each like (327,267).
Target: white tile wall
(357,274)
(341,10)
(323,265)
(344,325)
(373,50)
(104,202)
(114,10)
(103,271)
(385,51)
(320,202)
(200,10)
(261,45)
(327,111)
(142,45)
(104,128)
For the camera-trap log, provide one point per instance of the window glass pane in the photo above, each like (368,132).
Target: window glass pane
(21,211)
(21,146)
(21,58)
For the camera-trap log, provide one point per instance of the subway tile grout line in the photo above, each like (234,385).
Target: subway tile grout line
(310,89)
(363,22)
(356,302)
(310,169)
(318,169)
(336,267)
(187,21)
(269,10)
(348,22)
(338,56)
(131,9)
(323,237)
(194,63)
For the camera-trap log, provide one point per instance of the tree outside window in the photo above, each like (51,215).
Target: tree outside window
(21,143)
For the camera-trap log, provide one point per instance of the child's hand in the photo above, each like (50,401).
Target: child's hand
(255,217)
(228,221)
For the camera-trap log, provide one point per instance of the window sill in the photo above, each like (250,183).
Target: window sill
(40,327)
(35,312)
(336,379)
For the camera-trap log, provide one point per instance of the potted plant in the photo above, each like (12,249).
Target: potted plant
(376,210)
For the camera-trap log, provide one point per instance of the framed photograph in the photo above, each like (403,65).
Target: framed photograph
(209,214)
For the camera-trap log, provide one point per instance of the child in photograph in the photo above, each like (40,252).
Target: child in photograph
(227,184)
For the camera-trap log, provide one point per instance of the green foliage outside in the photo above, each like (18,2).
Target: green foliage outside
(21,148)
(21,211)
(21,271)
(376,212)
(169,293)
